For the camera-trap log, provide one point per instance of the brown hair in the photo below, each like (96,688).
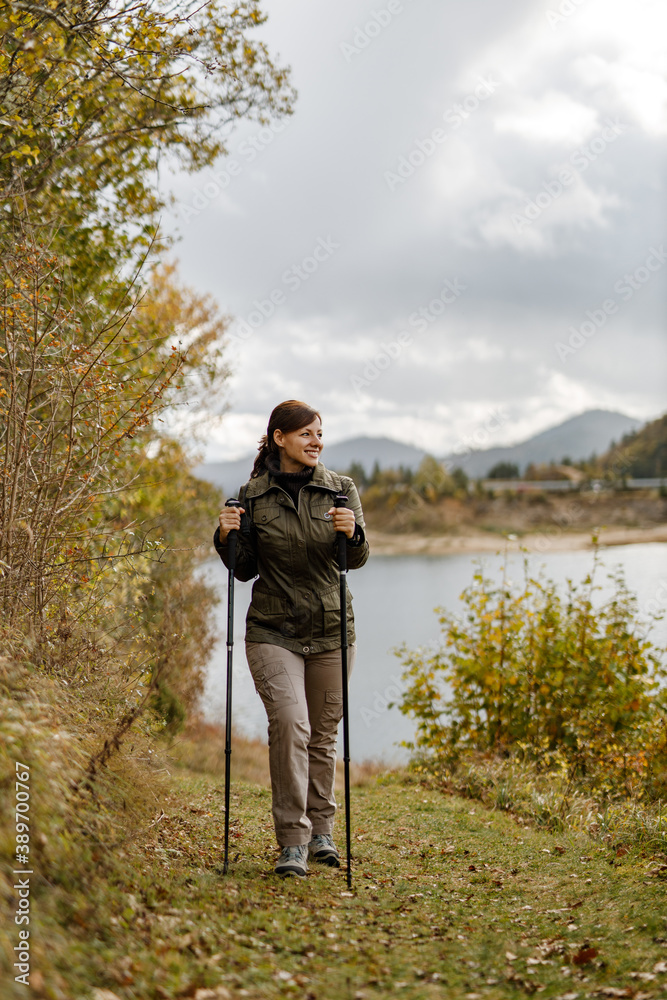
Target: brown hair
(289,416)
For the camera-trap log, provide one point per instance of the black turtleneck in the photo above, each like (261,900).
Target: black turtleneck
(290,481)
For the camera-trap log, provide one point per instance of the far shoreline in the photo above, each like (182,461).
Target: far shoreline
(550,540)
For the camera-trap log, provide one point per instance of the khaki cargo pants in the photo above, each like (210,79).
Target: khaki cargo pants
(303,698)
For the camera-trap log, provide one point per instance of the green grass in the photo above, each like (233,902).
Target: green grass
(128,898)
(445,892)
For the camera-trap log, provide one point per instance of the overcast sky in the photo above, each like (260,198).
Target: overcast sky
(464,218)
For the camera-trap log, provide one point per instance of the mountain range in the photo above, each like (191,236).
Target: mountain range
(577,439)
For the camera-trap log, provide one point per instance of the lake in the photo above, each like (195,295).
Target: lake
(394,598)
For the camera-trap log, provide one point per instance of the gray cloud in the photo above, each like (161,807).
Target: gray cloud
(518,98)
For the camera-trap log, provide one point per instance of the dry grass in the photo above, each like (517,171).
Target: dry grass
(548,801)
(201,748)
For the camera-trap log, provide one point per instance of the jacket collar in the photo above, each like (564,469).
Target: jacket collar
(322,477)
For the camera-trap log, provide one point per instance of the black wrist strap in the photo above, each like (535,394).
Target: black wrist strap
(357,537)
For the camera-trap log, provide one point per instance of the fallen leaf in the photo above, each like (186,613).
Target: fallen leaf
(510,956)
(560,850)
(584,956)
(660,967)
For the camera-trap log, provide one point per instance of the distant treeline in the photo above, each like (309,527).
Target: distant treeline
(641,454)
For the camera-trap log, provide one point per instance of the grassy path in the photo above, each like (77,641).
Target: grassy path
(450,900)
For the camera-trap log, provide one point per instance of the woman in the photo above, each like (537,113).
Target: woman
(293,622)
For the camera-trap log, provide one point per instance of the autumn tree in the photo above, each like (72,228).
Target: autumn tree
(97,344)
(96,97)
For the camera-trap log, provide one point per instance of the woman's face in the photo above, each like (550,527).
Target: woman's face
(300,448)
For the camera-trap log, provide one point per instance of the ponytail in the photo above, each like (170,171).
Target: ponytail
(260,460)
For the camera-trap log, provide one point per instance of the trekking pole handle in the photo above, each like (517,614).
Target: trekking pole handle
(231,537)
(340,500)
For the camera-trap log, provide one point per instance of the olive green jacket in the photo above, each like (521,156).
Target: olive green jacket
(293,553)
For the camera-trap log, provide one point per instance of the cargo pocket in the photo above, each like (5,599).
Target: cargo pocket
(274,685)
(332,712)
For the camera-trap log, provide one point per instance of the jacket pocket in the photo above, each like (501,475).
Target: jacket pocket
(320,510)
(267,609)
(331,598)
(331,611)
(263,513)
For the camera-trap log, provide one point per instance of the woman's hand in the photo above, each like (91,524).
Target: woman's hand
(230,520)
(343,520)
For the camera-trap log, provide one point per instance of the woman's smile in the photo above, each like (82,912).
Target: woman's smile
(299,448)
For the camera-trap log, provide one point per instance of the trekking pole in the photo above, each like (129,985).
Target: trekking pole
(341,501)
(231,559)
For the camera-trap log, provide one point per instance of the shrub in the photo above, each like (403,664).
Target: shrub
(551,680)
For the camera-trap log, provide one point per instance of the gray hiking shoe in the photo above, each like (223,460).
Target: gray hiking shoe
(322,849)
(293,861)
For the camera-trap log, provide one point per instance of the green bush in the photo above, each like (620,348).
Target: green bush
(553,680)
